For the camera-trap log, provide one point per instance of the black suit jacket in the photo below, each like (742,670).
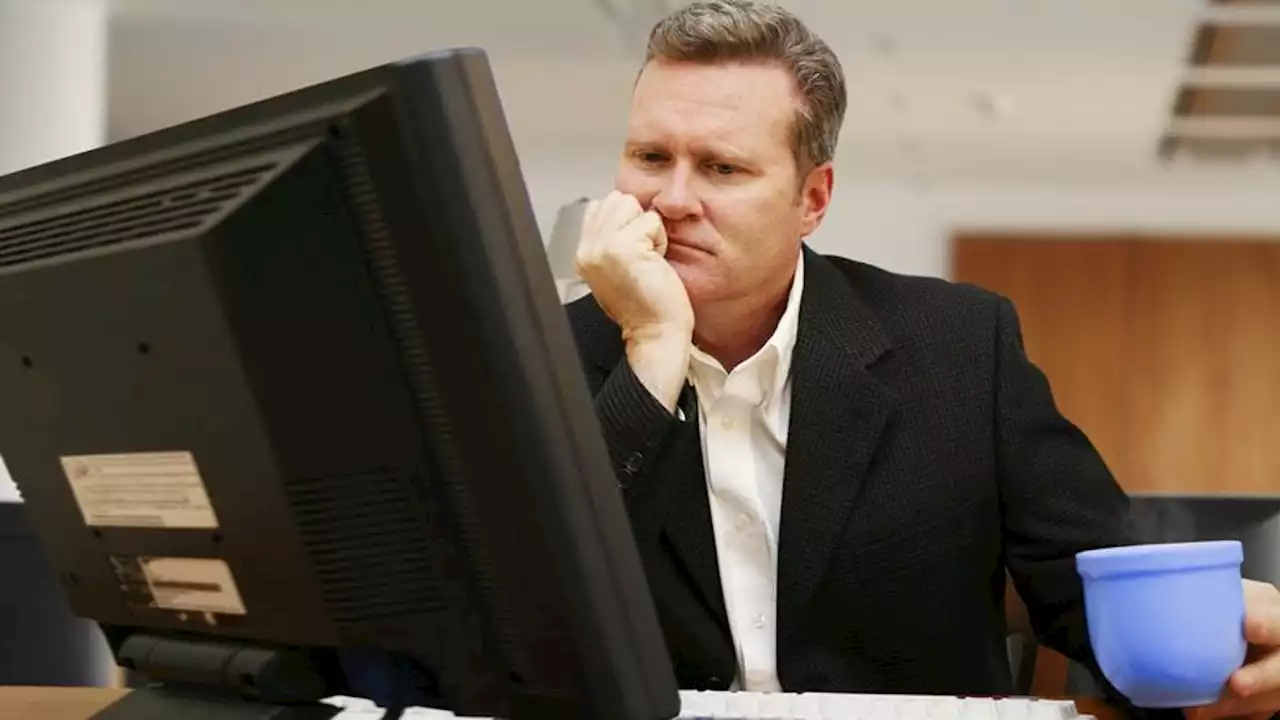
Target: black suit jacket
(925,456)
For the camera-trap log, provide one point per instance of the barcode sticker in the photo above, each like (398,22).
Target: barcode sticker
(159,490)
(192,585)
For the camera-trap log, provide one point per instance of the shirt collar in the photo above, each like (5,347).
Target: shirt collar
(773,360)
(784,336)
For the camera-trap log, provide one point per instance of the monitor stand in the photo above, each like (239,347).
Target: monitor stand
(198,678)
(166,702)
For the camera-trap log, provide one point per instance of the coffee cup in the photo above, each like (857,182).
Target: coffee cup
(1166,620)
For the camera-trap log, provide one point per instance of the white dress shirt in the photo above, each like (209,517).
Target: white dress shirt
(743,417)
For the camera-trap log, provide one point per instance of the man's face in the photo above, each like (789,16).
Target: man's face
(709,148)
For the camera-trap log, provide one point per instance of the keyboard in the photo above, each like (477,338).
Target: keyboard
(708,705)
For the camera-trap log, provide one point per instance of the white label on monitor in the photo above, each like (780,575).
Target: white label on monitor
(152,490)
(192,585)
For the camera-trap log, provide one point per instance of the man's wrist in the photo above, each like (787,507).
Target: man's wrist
(659,357)
(670,334)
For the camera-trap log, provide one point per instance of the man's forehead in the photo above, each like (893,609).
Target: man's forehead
(724,80)
(722,98)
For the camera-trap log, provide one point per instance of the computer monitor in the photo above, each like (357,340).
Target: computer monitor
(294,379)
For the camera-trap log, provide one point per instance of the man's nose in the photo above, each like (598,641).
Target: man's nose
(676,198)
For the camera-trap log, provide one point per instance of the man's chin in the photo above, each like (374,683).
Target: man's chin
(697,285)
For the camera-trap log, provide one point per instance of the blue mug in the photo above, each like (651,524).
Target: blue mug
(1166,620)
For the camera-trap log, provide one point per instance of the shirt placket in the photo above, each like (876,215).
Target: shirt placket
(736,486)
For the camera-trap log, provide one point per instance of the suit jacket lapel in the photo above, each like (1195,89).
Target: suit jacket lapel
(838,410)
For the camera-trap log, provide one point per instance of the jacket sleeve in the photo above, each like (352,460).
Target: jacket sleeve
(1059,499)
(637,430)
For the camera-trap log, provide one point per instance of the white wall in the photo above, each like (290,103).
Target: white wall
(53,71)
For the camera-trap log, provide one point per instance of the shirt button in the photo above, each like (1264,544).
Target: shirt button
(759,621)
(727,423)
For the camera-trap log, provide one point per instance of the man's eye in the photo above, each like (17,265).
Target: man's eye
(651,158)
(724,168)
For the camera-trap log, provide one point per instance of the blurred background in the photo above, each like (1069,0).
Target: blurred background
(1111,165)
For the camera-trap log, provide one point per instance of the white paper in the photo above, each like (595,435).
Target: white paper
(159,489)
(8,491)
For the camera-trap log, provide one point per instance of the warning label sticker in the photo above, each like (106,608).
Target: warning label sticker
(152,490)
(192,584)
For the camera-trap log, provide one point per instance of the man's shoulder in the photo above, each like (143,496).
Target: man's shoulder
(903,299)
(937,328)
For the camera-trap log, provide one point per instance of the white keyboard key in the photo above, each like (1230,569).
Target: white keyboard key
(349,703)
(912,709)
(944,709)
(777,706)
(696,704)
(1055,710)
(429,714)
(742,705)
(805,707)
(833,706)
(978,709)
(354,708)
(714,705)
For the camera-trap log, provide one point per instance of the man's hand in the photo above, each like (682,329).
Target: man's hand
(621,257)
(1254,690)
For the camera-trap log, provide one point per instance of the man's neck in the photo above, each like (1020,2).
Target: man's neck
(734,331)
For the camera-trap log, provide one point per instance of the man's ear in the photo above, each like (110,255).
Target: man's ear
(815,197)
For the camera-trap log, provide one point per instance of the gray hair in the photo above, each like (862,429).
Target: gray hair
(715,31)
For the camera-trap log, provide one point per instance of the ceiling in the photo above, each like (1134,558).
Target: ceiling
(940,90)
(1228,105)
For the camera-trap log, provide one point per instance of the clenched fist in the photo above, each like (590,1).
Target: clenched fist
(621,257)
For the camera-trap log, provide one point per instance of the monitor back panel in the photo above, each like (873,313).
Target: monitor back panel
(146,429)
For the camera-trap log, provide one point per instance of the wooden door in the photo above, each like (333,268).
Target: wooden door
(1166,353)
(1205,368)
(1073,299)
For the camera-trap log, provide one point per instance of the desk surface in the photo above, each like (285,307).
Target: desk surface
(56,703)
(68,703)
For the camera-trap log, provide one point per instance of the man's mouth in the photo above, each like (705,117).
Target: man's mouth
(686,244)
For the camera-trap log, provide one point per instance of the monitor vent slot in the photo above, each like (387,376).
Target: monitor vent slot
(459,544)
(205,150)
(363,534)
(138,217)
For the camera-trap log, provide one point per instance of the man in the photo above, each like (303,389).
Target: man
(919,453)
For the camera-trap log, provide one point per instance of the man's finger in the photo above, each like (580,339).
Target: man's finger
(617,210)
(1234,707)
(1258,678)
(1261,614)
(655,232)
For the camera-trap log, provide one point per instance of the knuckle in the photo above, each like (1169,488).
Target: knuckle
(1272,592)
